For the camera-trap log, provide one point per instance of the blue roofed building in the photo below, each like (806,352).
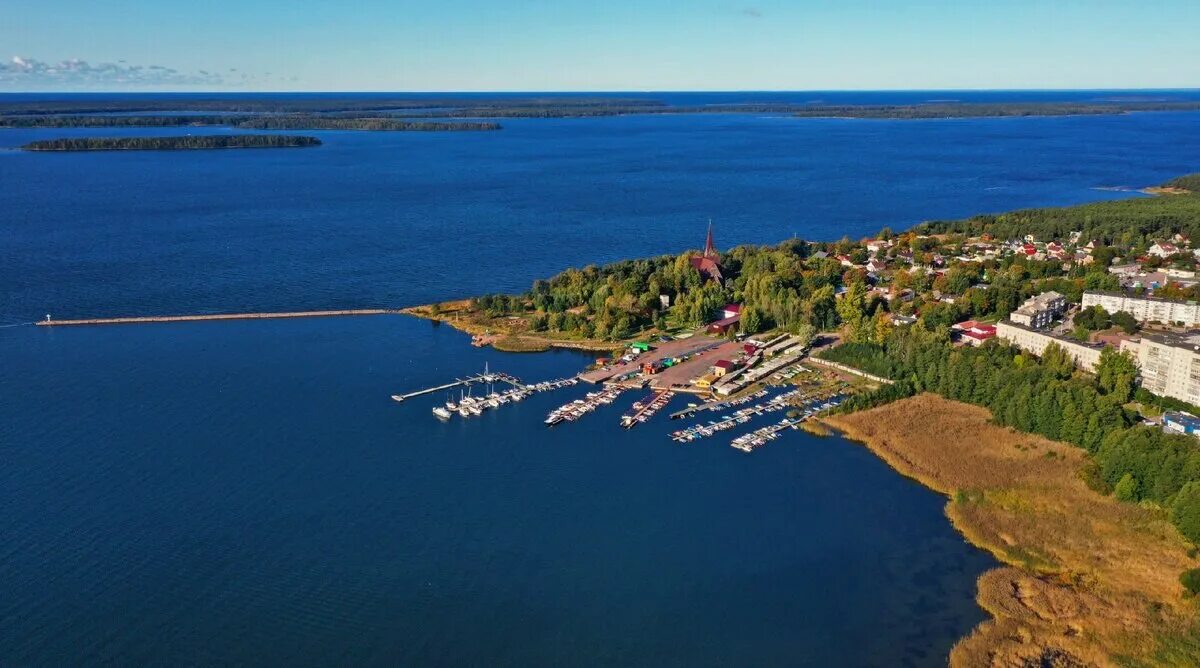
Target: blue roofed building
(1181,423)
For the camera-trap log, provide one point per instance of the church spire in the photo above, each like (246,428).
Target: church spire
(710,250)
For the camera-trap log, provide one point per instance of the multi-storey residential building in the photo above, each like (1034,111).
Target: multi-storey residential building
(1145,309)
(1035,341)
(1038,312)
(1170,364)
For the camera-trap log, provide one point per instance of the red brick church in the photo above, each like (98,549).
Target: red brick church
(709,264)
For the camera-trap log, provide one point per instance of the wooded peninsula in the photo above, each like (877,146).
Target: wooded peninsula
(191,142)
(1065,470)
(373,124)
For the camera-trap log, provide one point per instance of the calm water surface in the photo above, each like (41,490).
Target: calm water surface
(244,492)
(393,219)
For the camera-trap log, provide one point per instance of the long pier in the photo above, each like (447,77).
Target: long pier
(717,406)
(469,380)
(214,316)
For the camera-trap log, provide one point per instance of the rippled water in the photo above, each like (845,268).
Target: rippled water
(245,492)
(393,219)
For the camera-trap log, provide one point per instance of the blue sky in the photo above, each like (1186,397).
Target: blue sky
(444,45)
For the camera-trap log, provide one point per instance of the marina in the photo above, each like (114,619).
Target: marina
(718,406)
(777,403)
(576,409)
(548,385)
(646,409)
(470,406)
(759,437)
(485,377)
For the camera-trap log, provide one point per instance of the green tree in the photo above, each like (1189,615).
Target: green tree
(821,308)
(1103,256)
(1191,581)
(806,333)
(853,303)
(1127,488)
(1125,321)
(1116,373)
(1185,512)
(1056,360)
(751,322)
(1093,318)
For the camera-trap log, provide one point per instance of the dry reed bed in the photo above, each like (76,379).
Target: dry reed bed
(1090,581)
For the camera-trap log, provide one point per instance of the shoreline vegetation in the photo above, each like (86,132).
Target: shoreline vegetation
(1089,580)
(188,143)
(1048,467)
(244,122)
(412,115)
(505,334)
(368,124)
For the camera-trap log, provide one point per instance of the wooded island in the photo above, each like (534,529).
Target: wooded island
(190,142)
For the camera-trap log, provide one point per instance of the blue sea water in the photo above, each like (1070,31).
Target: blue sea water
(245,492)
(394,219)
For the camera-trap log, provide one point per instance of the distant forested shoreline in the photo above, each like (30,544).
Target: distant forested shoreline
(267,122)
(399,115)
(371,124)
(198,142)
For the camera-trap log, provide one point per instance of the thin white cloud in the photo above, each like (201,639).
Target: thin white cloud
(30,72)
(752,12)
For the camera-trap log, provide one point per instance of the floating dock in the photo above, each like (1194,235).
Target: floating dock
(214,316)
(485,377)
(759,437)
(777,403)
(643,411)
(718,406)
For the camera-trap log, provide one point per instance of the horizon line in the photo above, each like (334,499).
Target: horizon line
(177,91)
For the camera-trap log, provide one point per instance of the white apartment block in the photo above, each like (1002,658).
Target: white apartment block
(1038,312)
(1145,309)
(1170,365)
(1035,341)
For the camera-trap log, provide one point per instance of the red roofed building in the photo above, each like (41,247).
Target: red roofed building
(976,333)
(731,310)
(708,264)
(723,325)
(722,367)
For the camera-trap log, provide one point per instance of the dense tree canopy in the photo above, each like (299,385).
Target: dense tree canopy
(1046,397)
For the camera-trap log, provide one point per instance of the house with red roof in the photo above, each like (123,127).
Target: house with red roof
(722,367)
(973,332)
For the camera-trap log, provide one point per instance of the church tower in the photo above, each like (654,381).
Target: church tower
(708,264)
